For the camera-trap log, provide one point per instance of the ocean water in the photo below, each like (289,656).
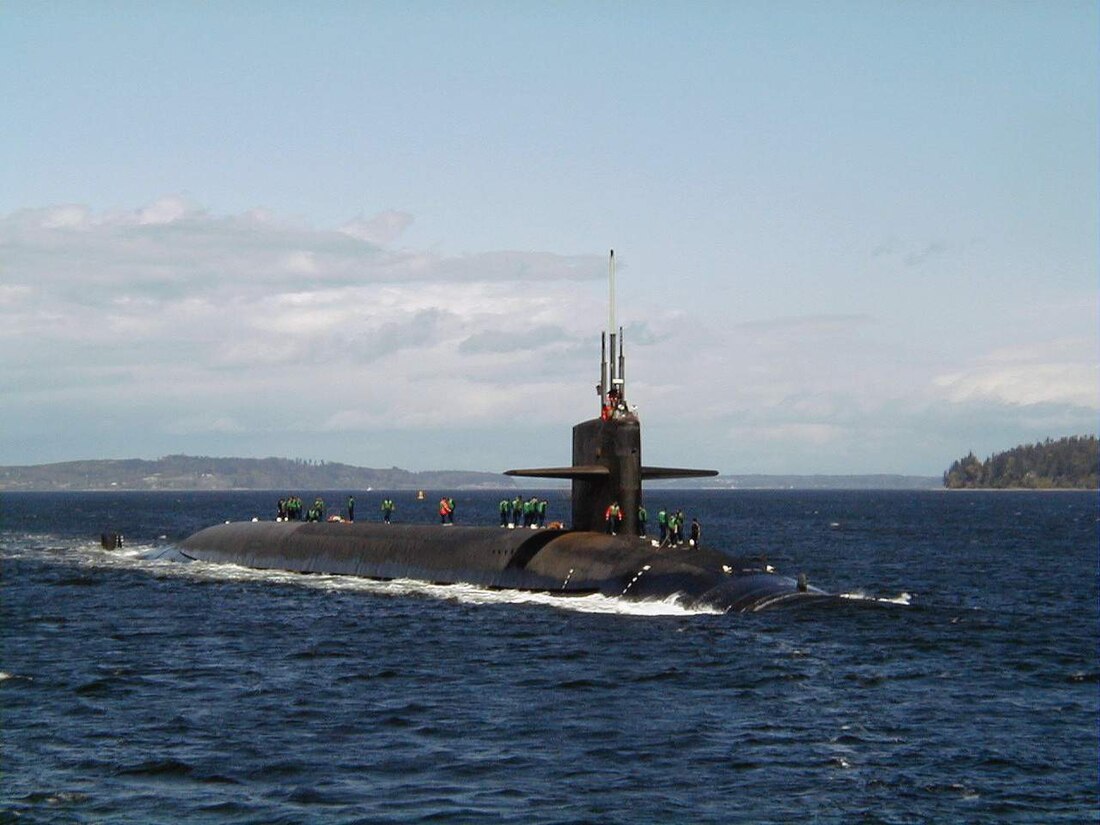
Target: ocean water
(137,689)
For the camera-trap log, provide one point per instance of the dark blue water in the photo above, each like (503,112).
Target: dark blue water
(144,691)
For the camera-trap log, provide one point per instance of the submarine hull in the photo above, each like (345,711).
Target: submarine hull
(567,562)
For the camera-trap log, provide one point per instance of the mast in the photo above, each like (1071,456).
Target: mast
(601,388)
(612,362)
(613,376)
(611,298)
(616,372)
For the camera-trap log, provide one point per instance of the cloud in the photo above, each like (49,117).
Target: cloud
(1062,372)
(918,253)
(166,210)
(244,323)
(499,342)
(172,248)
(382,229)
(177,326)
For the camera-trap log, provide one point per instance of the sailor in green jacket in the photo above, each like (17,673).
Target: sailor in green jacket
(673,529)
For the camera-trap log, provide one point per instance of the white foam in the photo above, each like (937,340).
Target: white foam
(134,557)
(904,599)
(460,593)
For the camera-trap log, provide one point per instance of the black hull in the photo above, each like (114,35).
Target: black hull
(555,561)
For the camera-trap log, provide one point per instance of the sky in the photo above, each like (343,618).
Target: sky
(851,237)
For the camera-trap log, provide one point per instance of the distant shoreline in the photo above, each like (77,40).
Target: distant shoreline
(181,473)
(1020,489)
(430,491)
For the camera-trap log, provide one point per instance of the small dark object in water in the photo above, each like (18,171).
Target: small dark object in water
(110,541)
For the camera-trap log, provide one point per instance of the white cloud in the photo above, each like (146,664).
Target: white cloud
(382,229)
(172,247)
(189,325)
(240,321)
(10,295)
(65,217)
(168,209)
(1063,371)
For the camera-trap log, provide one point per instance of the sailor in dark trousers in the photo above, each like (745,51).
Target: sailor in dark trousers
(613,516)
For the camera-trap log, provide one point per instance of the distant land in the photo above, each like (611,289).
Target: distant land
(180,472)
(1070,463)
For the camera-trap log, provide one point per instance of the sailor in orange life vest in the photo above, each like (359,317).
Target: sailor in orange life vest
(614,517)
(614,404)
(446,510)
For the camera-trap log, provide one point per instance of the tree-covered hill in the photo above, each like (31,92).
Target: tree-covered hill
(1068,463)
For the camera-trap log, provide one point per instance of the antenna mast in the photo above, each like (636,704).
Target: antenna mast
(612,384)
(612,388)
(616,378)
(611,299)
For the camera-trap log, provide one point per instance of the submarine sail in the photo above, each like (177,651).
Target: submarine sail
(607,464)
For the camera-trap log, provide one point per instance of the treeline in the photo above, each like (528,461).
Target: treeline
(1068,463)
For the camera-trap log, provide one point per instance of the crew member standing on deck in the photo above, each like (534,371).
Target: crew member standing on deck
(696,531)
(387,509)
(505,511)
(351,508)
(613,516)
(642,517)
(673,530)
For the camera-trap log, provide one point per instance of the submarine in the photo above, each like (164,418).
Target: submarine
(582,559)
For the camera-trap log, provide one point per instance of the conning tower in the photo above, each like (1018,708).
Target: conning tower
(607,451)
